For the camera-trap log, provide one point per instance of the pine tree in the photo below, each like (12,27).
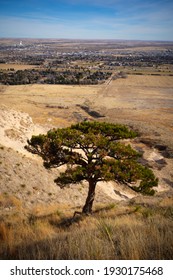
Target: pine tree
(93,151)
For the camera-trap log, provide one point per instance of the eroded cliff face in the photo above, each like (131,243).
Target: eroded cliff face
(15,128)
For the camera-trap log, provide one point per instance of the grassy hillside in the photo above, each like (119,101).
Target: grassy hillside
(139,229)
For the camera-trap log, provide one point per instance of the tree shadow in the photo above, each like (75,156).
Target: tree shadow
(67,222)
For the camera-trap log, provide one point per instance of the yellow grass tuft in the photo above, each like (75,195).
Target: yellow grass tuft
(9,201)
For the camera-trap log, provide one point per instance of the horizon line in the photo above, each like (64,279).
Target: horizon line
(84,39)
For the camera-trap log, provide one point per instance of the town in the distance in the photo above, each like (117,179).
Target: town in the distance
(81,62)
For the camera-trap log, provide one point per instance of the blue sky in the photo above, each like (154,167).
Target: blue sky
(87,19)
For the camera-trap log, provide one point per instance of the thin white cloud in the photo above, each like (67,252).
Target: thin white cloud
(20,27)
(130,22)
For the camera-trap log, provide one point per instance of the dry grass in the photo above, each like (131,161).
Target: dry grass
(9,201)
(122,232)
(146,81)
(37,101)
(7,66)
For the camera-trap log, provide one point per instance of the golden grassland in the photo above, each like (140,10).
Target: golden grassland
(138,97)
(7,66)
(52,105)
(115,231)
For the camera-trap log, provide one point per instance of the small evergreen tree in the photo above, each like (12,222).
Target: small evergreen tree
(92,151)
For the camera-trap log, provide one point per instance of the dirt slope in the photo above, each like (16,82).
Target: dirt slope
(23,176)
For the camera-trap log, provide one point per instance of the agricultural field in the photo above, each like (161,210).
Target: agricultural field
(15,67)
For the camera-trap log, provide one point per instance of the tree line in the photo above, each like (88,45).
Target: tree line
(49,76)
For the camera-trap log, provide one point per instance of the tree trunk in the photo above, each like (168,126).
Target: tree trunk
(87,209)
